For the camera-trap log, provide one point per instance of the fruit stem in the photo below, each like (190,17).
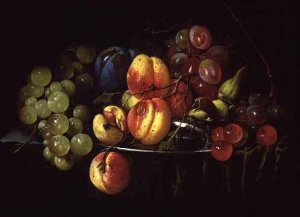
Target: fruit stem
(179,179)
(102,164)
(226,174)
(278,152)
(204,170)
(28,140)
(262,164)
(176,82)
(245,160)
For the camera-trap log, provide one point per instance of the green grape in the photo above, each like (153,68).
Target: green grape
(23,95)
(30,101)
(59,145)
(75,127)
(84,82)
(68,56)
(47,92)
(27,115)
(182,39)
(42,124)
(34,91)
(85,53)
(58,124)
(23,92)
(78,66)
(63,163)
(55,86)
(81,144)
(45,142)
(46,134)
(58,102)
(68,87)
(48,155)
(42,109)
(41,76)
(65,71)
(82,112)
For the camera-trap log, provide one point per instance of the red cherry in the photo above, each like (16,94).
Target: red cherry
(266,135)
(217,134)
(221,150)
(233,133)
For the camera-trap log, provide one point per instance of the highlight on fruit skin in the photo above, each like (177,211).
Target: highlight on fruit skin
(148,76)
(110,172)
(149,121)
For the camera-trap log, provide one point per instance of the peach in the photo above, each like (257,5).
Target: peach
(110,173)
(181,101)
(149,121)
(105,132)
(145,75)
(116,117)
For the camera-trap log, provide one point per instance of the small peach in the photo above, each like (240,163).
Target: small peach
(110,172)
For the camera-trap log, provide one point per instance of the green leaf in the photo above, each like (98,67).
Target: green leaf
(105,98)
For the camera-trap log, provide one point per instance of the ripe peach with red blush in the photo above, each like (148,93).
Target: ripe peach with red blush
(149,121)
(110,172)
(148,76)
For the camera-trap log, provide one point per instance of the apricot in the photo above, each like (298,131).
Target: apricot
(148,76)
(110,173)
(115,116)
(105,132)
(149,121)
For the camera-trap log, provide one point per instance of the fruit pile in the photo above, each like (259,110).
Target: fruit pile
(184,95)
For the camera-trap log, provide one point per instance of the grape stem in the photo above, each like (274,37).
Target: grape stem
(226,174)
(278,152)
(204,170)
(179,179)
(251,42)
(174,134)
(28,140)
(262,164)
(245,160)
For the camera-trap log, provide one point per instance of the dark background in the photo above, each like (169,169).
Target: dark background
(35,32)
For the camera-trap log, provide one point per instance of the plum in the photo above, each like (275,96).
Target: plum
(111,67)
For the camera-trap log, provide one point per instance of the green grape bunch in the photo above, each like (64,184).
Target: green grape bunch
(51,101)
